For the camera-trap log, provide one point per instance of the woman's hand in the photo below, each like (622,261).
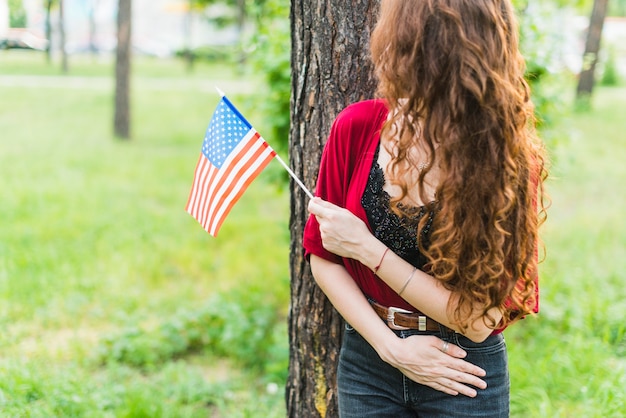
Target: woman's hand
(422,359)
(342,232)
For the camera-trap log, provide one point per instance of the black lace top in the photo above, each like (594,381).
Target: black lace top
(398,233)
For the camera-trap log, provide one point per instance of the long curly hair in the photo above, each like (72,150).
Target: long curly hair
(453,76)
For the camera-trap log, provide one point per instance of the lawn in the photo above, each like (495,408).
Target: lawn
(114,302)
(106,283)
(570,361)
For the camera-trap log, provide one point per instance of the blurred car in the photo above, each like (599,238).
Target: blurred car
(16,38)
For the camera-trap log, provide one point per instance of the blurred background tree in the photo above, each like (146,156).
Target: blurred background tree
(122,118)
(586,79)
(62,40)
(48,29)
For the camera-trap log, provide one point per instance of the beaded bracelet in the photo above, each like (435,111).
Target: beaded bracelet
(381,260)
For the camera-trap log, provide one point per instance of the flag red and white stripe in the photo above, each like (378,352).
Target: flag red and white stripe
(233,155)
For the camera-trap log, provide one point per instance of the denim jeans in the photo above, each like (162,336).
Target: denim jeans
(369,387)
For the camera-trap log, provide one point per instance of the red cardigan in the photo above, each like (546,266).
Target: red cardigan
(344,169)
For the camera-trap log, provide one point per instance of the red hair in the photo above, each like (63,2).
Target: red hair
(454,67)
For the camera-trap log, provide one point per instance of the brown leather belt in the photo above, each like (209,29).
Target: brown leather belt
(400,319)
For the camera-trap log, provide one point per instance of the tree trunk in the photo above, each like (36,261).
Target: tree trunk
(189,57)
(122,70)
(93,29)
(592,48)
(241,18)
(64,63)
(49,31)
(241,22)
(330,69)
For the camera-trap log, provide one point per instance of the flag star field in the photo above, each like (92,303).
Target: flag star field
(223,134)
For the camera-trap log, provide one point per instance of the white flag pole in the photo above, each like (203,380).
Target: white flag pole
(280,160)
(294,177)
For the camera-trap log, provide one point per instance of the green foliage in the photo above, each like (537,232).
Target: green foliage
(235,10)
(571,359)
(267,49)
(38,389)
(240,325)
(271,56)
(610,74)
(581,6)
(208,53)
(541,42)
(17,14)
(617,8)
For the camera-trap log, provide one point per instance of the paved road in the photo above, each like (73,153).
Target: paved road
(107,83)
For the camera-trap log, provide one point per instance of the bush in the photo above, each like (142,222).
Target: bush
(243,327)
(208,53)
(271,55)
(541,43)
(17,14)
(610,75)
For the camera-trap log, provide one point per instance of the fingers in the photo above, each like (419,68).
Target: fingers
(318,206)
(458,354)
(455,388)
(445,389)
(449,349)
(450,381)
(422,359)
(315,206)
(459,372)
(468,368)
(457,376)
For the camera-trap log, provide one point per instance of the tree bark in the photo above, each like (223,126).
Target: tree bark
(49,31)
(592,49)
(93,46)
(330,69)
(64,62)
(189,57)
(122,70)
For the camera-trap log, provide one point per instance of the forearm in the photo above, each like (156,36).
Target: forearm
(350,302)
(347,236)
(422,291)
(418,357)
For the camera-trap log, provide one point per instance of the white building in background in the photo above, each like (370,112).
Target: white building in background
(160,27)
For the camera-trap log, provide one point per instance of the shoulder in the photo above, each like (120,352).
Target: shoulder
(359,121)
(363,112)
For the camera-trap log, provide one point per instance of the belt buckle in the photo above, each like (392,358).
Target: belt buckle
(391,318)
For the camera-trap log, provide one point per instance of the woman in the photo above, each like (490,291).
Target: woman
(424,231)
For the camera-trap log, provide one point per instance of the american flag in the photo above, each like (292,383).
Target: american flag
(233,154)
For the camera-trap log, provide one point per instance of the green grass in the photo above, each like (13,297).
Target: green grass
(19,62)
(115,303)
(570,361)
(98,255)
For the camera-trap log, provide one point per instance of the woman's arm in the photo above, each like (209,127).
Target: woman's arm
(346,235)
(418,357)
